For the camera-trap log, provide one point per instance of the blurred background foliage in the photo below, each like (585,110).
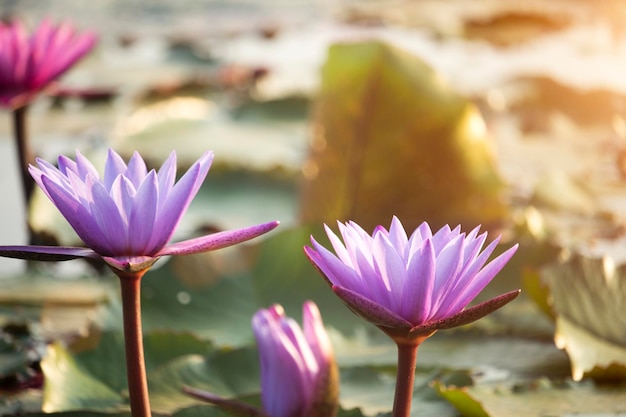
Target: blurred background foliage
(457,111)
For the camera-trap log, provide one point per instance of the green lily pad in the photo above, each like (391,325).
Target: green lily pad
(94,377)
(72,386)
(372,389)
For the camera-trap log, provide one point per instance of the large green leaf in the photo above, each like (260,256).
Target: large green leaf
(71,386)
(92,375)
(94,379)
(390,137)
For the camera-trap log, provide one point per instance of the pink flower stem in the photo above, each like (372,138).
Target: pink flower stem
(24,153)
(133,342)
(407,359)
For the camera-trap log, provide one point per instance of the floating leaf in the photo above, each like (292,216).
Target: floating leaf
(534,398)
(250,139)
(461,399)
(71,386)
(390,137)
(372,390)
(95,379)
(588,299)
(62,307)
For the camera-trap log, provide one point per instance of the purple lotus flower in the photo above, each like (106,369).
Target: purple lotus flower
(29,64)
(127,219)
(128,216)
(296,365)
(411,286)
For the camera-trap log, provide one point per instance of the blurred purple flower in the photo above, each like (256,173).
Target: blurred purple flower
(29,64)
(127,217)
(411,286)
(298,378)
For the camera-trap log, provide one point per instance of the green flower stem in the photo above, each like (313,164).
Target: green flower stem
(133,342)
(407,359)
(24,153)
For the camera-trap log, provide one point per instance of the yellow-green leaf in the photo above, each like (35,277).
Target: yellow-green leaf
(390,137)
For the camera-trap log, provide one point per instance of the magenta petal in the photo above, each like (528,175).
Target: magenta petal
(106,213)
(142,216)
(335,271)
(441,238)
(315,333)
(392,273)
(449,263)
(217,240)
(320,264)
(465,280)
(113,167)
(397,234)
(84,167)
(338,246)
(46,253)
(136,170)
(369,310)
(418,289)
(172,209)
(77,216)
(473,245)
(283,377)
(481,280)
(167,176)
(29,63)
(65,165)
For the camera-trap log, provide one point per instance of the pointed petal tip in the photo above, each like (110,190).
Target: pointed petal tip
(218,240)
(506,256)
